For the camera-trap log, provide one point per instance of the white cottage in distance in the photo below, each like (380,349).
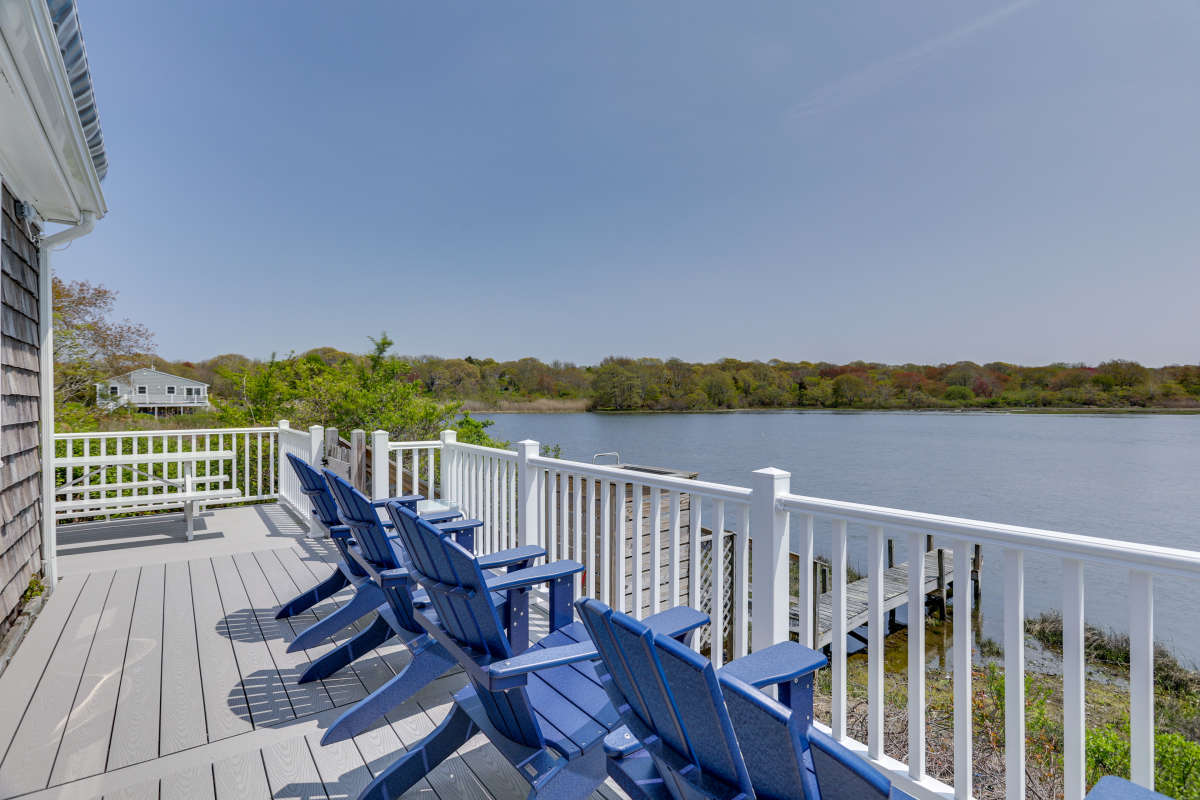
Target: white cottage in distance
(152,390)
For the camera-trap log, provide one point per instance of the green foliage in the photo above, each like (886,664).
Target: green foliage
(35,589)
(1176,760)
(958,394)
(375,391)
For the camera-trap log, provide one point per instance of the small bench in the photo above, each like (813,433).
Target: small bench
(185,494)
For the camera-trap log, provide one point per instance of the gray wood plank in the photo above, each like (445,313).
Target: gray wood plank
(31,755)
(342,687)
(225,706)
(21,678)
(341,767)
(268,699)
(136,726)
(241,777)
(291,771)
(308,698)
(146,790)
(182,719)
(451,778)
(190,784)
(84,748)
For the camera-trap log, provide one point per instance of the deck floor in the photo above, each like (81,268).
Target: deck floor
(157,669)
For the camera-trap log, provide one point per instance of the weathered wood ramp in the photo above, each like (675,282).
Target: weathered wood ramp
(895,595)
(168,676)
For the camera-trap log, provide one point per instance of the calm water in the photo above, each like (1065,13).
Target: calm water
(1121,476)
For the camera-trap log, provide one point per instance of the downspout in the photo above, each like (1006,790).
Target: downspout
(46,374)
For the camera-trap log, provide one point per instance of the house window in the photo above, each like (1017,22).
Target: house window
(141,390)
(187,391)
(112,391)
(170,390)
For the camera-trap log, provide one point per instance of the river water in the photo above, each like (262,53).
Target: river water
(1120,476)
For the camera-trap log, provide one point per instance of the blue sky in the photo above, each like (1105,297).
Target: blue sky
(917,181)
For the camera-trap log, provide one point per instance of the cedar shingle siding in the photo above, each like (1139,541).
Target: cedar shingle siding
(20,457)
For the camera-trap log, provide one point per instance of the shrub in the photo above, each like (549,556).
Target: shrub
(1176,760)
(959,394)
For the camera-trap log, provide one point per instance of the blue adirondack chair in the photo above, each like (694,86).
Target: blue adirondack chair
(347,572)
(543,707)
(714,734)
(382,558)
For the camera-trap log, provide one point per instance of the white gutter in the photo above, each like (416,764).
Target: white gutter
(46,375)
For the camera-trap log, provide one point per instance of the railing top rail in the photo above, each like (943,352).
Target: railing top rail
(1069,545)
(161,432)
(428,444)
(489,451)
(721,491)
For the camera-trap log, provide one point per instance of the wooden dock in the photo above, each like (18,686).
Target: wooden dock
(895,595)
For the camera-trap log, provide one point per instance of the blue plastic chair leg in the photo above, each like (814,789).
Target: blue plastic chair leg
(414,765)
(428,663)
(306,600)
(361,643)
(366,599)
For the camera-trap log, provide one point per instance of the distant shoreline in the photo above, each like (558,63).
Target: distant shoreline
(565,406)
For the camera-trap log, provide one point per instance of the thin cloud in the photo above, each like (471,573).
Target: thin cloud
(877,76)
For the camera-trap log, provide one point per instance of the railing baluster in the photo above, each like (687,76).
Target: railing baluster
(916,656)
(875,639)
(1141,677)
(1074,728)
(838,631)
(590,550)
(741,582)
(577,529)
(618,561)
(655,533)
(673,549)
(564,514)
(606,532)
(695,567)
(1014,674)
(717,646)
(552,501)
(807,609)
(963,707)
(635,565)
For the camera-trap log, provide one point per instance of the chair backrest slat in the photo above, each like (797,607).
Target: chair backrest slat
(313,486)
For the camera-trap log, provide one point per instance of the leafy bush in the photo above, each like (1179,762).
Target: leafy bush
(1176,760)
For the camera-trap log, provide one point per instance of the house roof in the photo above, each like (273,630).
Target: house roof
(52,152)
(65,16)
(152,369)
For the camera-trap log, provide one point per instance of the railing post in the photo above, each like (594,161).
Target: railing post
(769,558)
(527,499)
(379,465)
(316,445)
(282,468)
(448,456)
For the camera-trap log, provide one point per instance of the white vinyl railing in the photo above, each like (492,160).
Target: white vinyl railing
(153,466)
(308,445)
(591,513)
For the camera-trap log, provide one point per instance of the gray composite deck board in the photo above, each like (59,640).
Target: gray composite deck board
(182,722)
(31,755)
(190,784)
(84,747)
(146,790)
(264,689)
(24,672)
(135,725)
(291,772)
(241,777)
(225,706)
(341,767)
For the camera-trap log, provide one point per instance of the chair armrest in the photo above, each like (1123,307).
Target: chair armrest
(676,622)
(532,576)
(511,557)
(512,672)
(409,500)
(778,663)
(458,526)
(394,577)
(339,531)
(438,517)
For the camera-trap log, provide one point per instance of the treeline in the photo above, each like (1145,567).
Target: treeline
(628,384)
